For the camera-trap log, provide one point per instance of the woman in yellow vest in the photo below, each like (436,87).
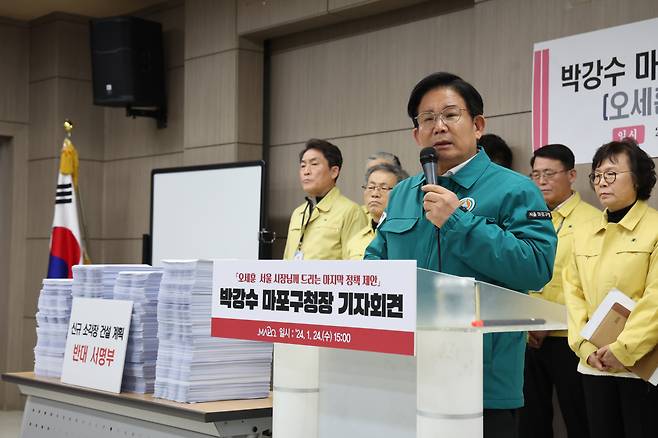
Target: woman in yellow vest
(380,180)
(617,251)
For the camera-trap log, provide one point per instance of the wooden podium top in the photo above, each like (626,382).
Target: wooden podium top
(204,412)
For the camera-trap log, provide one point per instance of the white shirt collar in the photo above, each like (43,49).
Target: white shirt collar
(564,202)
(458,167)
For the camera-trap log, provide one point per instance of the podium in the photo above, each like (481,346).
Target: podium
(323,392)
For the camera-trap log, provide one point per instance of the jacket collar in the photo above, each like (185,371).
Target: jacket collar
(566,208)
(366,231)
(467,175)
(631,219)
(329,199)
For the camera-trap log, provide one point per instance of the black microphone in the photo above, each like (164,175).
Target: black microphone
(429,160)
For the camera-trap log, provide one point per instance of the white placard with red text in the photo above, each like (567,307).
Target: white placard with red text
(359,305)
(96,343)
(592,88)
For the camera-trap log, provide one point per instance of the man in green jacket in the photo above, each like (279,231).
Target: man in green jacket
(493,225)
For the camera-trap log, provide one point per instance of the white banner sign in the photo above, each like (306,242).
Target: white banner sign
(96,343)
(358,305)
(592,88)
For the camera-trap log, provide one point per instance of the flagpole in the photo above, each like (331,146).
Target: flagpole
(68,127)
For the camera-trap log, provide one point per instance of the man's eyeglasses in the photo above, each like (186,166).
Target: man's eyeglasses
(449,115)
(372,188)
(536,175)
(609,176)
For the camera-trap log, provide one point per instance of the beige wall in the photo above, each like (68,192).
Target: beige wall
(13,131)
(6,186)
(223,87)
(350,83)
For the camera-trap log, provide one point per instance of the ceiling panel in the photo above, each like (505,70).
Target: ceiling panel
(31,9)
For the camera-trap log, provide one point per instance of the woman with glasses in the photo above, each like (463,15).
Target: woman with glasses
(617,251)
(380,180)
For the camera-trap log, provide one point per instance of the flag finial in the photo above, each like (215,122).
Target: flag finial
(68,127)
(68,164)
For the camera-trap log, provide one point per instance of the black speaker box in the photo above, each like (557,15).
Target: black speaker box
(127,62)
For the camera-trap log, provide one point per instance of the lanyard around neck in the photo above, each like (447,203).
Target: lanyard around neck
(310,207)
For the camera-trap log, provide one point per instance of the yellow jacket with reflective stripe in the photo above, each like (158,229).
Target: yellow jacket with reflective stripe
(356,247)
(623,256)
(334,220)
(572,213)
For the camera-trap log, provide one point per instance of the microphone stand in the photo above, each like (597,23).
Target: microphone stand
(438,246)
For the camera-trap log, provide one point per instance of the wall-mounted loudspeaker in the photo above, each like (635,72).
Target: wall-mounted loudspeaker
(128,66)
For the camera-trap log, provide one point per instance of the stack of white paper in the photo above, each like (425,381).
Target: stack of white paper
(140,287)
(97,281)
(192,366)
(54,311)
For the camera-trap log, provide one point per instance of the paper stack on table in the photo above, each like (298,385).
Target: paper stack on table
(54,311)
(97,281)
(192,366)
(140,287)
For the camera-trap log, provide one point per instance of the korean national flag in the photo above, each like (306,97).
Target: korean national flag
(65,242)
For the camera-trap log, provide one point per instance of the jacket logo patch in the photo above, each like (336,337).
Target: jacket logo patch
(538,214)
(467,204)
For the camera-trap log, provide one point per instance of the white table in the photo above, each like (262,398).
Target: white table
(54,409)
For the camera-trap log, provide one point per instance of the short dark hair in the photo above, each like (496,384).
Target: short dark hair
(497,149)
(386,167)
(441,79)
(642,166)
(329,151)
(555,151)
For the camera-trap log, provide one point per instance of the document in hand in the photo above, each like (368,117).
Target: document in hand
(607,323)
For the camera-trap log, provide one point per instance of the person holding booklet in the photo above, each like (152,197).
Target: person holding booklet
(617,251)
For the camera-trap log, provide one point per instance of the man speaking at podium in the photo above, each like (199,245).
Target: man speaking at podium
(491,222)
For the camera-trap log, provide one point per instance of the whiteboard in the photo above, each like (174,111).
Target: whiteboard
(206,212)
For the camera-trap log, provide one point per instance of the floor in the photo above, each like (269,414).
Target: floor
(10,424)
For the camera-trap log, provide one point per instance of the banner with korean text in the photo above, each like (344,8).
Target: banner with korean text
(592,88)
(356,305)
(96,343)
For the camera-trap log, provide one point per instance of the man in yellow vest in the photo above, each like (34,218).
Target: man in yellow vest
(321,227)
(550,363)
(319,230)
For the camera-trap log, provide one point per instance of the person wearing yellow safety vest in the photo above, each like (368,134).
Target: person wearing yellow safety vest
(619,250)
(321,227)
(380,180)
(549,362)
